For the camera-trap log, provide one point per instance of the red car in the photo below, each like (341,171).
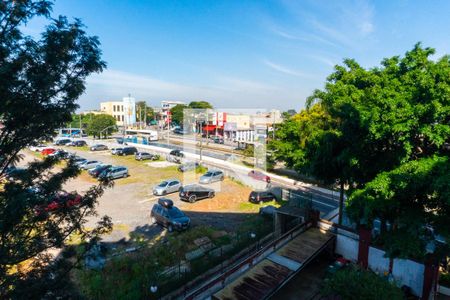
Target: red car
(60,201)
(259,176)
(48,151)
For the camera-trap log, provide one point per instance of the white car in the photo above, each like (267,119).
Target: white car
(90,164)
(38,148)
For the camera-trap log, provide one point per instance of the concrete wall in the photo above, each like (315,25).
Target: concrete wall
(409,273)
(377,261)
(347,244)
(404,271)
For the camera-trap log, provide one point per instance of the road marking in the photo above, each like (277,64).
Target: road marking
(150,199)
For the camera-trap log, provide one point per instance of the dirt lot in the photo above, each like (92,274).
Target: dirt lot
(129,202)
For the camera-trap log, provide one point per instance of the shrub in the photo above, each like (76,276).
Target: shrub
(354,283)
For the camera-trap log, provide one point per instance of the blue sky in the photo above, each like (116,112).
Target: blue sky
(244,54)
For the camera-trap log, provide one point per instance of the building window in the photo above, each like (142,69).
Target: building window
(122,108)
(122,117)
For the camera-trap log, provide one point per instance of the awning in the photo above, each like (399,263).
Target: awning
(211,127)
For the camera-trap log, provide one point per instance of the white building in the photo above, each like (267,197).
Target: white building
(166,106)
(123,111)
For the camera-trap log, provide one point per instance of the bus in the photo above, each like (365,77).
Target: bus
(143,134)
(71,132)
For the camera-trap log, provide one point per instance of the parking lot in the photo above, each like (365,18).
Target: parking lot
(129,202)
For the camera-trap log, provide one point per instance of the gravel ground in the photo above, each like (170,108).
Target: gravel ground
(129,202)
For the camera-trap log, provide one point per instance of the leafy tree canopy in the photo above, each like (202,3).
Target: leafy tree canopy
(40,81)
(413,198)
(144,112)
(373,120)
(177,113)
(101,125)
(200,105)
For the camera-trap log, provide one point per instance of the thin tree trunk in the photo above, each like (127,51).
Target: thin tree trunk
(341,202)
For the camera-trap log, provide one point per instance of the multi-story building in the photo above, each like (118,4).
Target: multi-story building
(123,111)
(246,128)
(166,106)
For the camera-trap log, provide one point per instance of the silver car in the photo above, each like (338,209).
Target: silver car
(90,164)
(79,161)
(115,151)
(167,187)
(114,172)
(212,176)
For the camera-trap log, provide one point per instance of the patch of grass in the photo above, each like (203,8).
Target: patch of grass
(237,181)
(252,207)
(201,169)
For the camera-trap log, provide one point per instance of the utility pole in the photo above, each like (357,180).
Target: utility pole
(145,115)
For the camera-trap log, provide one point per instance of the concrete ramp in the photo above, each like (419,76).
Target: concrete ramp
(267,276)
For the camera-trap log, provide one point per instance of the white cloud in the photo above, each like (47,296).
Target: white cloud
(222,91)
(283,69)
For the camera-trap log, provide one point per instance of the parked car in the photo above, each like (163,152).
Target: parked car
(127,151)
(77,144)
(90,164)
(181,131)
(60,153)
(194,192)
(169,216)
(167,187)
(188,166)
(48,151)
(95,172)
(62,142)
(218,140)
(79,161)
(259,176)
(59,201)
(212,176)
(114,151)
(13,172)
(146,155)
(261,196)
(114,173)
(176,153)
(99,147)
(268,210)
(38,147)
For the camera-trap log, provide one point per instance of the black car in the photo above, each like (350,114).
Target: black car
(62,142)
(167,215)
(176,153)
(261,196)
(127,151)
(95,172)
(78,143)
(218,140)
(189,166)
(195,192)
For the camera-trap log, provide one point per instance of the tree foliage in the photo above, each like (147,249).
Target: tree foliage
(177,113)
(200,105)
(101,125)
(375,120)
(144,113)
(413,195)
(177,110)
(352,283)
(40,81)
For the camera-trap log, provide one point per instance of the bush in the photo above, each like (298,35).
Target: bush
(354,283)
(444,279)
